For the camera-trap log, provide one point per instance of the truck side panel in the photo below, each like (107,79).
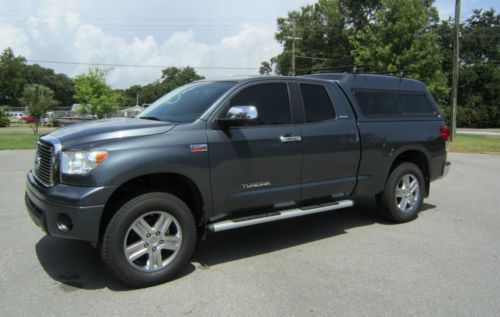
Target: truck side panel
(382,143)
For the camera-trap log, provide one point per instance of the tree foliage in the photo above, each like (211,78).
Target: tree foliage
(60,84)
(265,68)
(321,31)
(12,78)
(402,37)
(394,36)
(94,94)
(479,73)
(38,99)
(172,77)
(15,74)
(4,118)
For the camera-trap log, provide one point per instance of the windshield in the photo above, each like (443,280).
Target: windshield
(186,103)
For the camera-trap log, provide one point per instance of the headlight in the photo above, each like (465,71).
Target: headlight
(81,162)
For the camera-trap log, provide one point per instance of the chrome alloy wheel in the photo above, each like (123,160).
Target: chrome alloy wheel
(152,241)
(407,193)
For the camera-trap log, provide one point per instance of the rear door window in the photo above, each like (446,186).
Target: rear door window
(317,103)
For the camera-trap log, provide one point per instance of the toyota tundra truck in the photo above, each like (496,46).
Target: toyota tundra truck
(216,155)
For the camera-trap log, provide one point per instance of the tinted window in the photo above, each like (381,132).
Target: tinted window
(271,101)
(186,103)
(377,103)
(414,104)
(317,103)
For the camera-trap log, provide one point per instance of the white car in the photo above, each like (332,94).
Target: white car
(16,115)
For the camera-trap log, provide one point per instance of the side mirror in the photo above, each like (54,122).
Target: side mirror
(239,116)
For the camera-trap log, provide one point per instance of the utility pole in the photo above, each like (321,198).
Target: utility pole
(456,56)
(293,38)
(293,48)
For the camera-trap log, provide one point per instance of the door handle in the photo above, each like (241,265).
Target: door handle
(290,138)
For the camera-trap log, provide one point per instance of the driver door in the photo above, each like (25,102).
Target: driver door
(257,165)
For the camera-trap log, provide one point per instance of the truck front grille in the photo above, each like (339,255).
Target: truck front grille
(43,163)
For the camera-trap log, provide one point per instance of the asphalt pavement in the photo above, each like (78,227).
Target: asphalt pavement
(343,263)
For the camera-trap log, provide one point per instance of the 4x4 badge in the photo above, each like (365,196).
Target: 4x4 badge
(199,147)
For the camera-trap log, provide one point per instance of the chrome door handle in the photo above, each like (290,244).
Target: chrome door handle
(290,138)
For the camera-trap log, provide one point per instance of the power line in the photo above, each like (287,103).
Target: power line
(195,67)
(135,65)
(65,24)
(133,18)
(140,27)
(314,58)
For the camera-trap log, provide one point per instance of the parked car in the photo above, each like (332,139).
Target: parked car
(27,119)
(218,155)
(16,116)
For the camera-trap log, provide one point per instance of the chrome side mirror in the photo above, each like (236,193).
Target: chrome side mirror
(239,116)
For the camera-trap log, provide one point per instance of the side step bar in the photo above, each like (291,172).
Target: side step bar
(278,215)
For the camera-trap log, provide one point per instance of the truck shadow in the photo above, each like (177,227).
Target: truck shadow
(76,265)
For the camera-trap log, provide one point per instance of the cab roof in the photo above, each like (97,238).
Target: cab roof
(348,81)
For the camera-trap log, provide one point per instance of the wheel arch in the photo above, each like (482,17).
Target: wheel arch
(416,156)
(176,184)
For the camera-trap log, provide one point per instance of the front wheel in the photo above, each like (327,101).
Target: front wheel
(149,240)
(403,195)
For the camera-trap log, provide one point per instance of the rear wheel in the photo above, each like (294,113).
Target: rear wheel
(149,240)
(403,195)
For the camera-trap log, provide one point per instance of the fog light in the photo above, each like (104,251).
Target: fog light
(64,223)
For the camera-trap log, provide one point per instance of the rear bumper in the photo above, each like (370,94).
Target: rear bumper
(48,206)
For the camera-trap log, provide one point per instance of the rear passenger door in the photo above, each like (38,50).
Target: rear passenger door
(330,142)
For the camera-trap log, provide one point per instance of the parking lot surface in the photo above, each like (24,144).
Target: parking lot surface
(343,263)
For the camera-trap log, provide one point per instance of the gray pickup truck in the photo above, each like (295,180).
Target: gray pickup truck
(218,155)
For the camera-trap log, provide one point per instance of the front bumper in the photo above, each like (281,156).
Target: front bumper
(82,205)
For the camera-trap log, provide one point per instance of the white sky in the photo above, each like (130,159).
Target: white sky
(215,33)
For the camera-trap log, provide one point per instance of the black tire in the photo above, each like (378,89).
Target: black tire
(114,243)
(390,201)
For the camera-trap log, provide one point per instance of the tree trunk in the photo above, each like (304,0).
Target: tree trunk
(36,122)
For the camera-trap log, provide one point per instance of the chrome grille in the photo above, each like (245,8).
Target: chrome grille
(43,163)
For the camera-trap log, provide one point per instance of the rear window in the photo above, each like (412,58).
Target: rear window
(373,103)
(414,104)
(377,103)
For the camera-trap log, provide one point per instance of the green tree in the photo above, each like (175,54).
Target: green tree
(4,118)
(38,99)
(265,68)
(61,84)
(95,96)
(172,77)
(12,78)
(403,37)
(321,33)
(479,74)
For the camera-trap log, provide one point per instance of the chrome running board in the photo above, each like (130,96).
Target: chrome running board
(277,215)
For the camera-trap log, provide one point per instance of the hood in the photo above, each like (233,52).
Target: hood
(108,129)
